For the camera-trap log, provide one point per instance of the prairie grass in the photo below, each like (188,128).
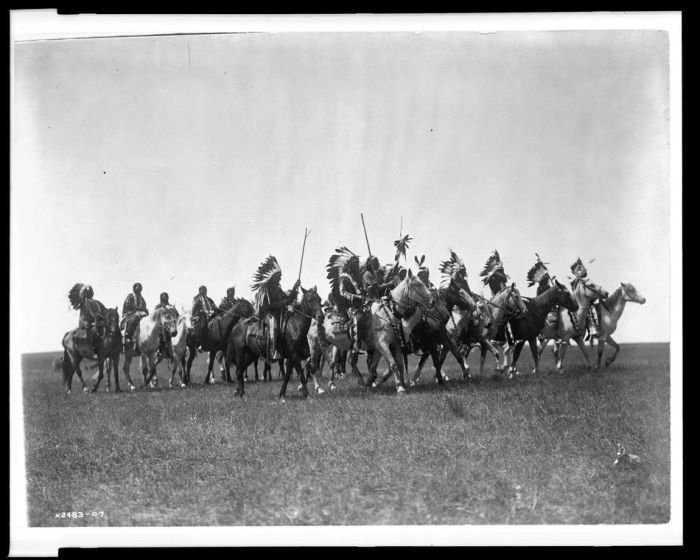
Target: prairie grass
(531,450)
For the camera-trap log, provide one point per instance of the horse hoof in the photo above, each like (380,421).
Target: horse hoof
(332,386)
(375,384)
(182,385)
(282,400)
(412,383)
(86,390)
(68,392)
(319,391)
(400,390)
(300,388)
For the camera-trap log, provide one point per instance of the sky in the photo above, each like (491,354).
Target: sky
(177,161)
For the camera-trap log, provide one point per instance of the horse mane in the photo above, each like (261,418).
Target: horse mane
(613,299)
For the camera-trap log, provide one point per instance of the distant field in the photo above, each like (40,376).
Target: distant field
(532,450)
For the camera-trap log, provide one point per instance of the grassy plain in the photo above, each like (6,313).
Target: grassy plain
(532,450)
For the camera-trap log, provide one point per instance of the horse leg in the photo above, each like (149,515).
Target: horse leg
(532,343)
(516,354)
(397,368)
(435,355)
(209,379)
(300,373)
(616,347)
(285,379)
(125,371)
(68,368)
(582,346)
(192,351)
(461,360)
(421,363)
(79,373)
(114,366)
(100,369)
(601,347)
(372,369)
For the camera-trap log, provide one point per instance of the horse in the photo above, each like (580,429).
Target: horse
(106,344)
(527,327)
(610,312)
(390,327)
(176,351)
(148,334)
(464,329)
(567,325)
(212,336)
(503,306)
(247,341)
(434,338)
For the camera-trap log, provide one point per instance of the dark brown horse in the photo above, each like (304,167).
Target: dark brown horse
(527,327)
(213,336)
(105,345)
(247,341)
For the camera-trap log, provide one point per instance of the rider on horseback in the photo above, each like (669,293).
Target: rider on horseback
(495,276)
(228,301)
(351,303)
(133,310)
(271,300)
(202,304)
(581,276)
(81,297)
(539,274)
(164,304)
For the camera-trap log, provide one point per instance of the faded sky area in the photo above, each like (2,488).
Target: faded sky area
(186,160)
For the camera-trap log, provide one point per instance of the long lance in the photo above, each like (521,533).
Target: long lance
(366,239)
(303,248)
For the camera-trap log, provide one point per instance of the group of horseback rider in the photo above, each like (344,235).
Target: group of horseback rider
(355,282)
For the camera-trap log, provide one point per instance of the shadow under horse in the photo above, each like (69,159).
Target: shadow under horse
(104,345)
(248,341)
(213,335)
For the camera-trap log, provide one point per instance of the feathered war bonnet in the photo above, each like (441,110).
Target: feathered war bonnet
(268,273)
(493,268)
(452,269)
(537,273)
(344,261)
(578,269)
(79,293)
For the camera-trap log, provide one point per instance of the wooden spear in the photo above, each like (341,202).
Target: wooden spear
(366,239)
(303,248)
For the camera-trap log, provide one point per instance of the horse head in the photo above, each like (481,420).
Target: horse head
(311,304)
(411,292)
(513,301)
(166,318)
(111,321)
(586,291)
(564,297)
(630,293)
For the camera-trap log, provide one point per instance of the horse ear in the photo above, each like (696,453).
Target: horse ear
(303,291)
(417,261)
(422,260)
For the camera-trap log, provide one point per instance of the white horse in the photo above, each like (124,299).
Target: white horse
(178,349)
(161,321)
(563,328)
(411,298)
(610,313)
